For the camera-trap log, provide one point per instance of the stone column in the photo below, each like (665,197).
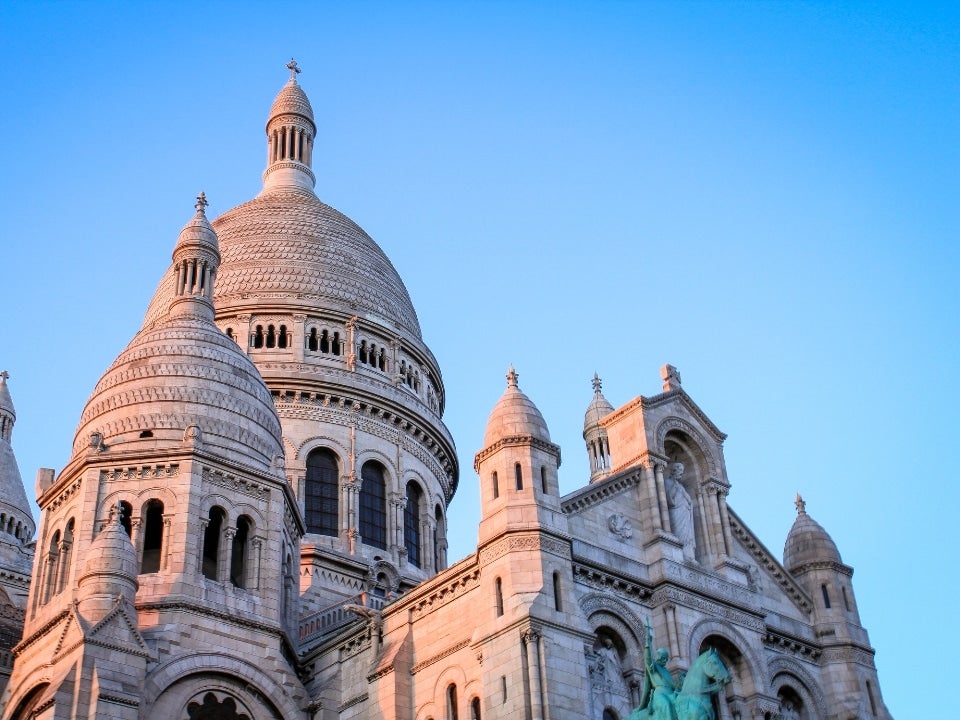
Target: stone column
(543,677)
(725,519)
(204,522)
(243,331)
(299,336)
(531,641)
(225,553)
(253,573)
(652,493)
(662,498)
(704,519)
(165,541)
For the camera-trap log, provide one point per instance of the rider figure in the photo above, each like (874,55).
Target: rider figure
(659,691)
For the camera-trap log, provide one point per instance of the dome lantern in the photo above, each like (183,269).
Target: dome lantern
(290,135)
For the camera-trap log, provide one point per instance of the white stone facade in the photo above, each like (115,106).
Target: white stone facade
(253,521)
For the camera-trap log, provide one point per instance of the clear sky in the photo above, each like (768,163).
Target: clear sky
(762,194)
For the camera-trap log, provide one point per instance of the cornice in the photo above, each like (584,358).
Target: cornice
(514,441)
(595,493)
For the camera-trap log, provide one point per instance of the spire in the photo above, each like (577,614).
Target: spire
(512,378)
(800,505)
(196,259)
(598,445)
(290,135)
(13,496)
(8,416)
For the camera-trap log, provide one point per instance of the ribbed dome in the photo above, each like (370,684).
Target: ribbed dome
(598,407)
(182,373)
(287,243)
(514,415)
(807,542)
(291,100)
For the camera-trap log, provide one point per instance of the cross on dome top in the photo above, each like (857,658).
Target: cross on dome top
(294,69)
(512,377)
(801,505)
(201,202)
(597,384)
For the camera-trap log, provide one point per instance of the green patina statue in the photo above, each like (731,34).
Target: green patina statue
(689,699)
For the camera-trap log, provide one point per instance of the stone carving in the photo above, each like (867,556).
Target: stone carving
(663,699)
(620,527)
(681,510)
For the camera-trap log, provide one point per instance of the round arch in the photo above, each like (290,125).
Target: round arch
(756,680)
(787,672)
(171,685)
(697,438)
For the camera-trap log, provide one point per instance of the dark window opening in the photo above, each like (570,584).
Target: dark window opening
(496,485)
(258,337)
(126,513)
(282,337)
(451,702)
(152,537)
(499,592)
(238,554)
(373,505)
(324,342)
(411,524)
(826,596)
(519,474)
(557,604)
(211,542)
(271,336)
(543,479)
(312,341)
(147,434)
(475,709)
(321,501)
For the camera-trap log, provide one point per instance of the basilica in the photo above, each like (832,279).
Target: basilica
(252,523)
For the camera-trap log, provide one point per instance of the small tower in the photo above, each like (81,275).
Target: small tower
(517,467)
(595,435)
(524,552)
(16,537)
(811,556)
(290,135)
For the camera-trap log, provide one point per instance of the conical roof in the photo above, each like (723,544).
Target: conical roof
(291,100)
(182,379)
(514,415)
(598,407)
(807,542)
(13,496)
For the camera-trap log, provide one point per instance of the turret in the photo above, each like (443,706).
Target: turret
(16,520)
(595,435)
(290,135)
(812,557)
(517,467)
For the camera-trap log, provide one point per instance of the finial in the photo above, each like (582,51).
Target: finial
(294,69)
(201,203)
(512,377)
(119,514)
(801,505)
(3,377)
(596,383)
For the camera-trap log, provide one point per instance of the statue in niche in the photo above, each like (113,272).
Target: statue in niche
(789,711)
(681,511)
(610,663)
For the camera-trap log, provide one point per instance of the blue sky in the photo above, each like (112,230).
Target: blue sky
(762,194)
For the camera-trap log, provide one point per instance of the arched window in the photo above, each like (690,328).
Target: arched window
(519,475)
(373,505)
(312,341)
(363,351)
(271,336)
(498,588)
(336,343)
(846,600)
(321,492)
(211,542)
(324,342)
(543,479)
(439,540)
(152,537)
(66,555)
(282,337)
(126,513)
(496,485)
(557,603)
(475,709)
(411,523)
(230,334)
(258,337)
(610,714)
(826,596)
(452,702)
(53,564)
(238,554)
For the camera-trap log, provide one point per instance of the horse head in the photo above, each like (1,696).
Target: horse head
(714,668)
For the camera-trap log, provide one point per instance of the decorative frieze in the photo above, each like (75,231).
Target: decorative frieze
(236,483)
(534,541)
(447,652)
(143,472)
(445,593)
(598,579)
(600,492)
(708,607)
